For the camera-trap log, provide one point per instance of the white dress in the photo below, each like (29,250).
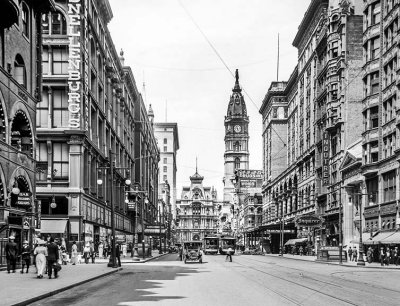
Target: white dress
(41,253)
(124,250)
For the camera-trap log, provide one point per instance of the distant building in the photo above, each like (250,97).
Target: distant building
(20,92)
(197,211)
(167,137)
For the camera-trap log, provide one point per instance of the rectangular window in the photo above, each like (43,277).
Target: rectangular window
(45,61)
(376,13)
(42,110)
(60,108)
(375,48)
(164,178)
(389,186)
(165,140)
(373,117)
(42,163)
(25,21)
(60,61)
(165,160)
(165,168)
(60,161)
(165,148)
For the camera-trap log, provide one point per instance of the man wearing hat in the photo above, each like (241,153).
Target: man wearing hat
(11,254)
(25,256)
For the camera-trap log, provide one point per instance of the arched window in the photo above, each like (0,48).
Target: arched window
(237,146)
(58,24)
(19,70)
(237,163)
(25,20)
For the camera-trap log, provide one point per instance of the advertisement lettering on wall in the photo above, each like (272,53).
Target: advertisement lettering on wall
(325,159)
(74,63)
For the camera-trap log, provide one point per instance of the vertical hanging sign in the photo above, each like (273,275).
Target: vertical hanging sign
(74,63)
(325,159)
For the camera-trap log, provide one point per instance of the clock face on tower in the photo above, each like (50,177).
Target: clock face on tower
(238,128)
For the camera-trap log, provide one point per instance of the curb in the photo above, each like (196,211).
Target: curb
(137,262)
(54,292)
(338,264)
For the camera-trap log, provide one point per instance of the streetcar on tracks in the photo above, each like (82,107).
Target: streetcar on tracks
(225,243)
(211,245)
(192,251)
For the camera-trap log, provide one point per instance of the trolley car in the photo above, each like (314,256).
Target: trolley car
(225,243)
(211,245)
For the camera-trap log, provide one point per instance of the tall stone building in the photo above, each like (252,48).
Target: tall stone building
(91,116)
(197,211)
(166,134)
(236,139)
(323,100)
(20,91)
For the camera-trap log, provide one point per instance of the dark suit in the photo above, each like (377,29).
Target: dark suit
(52,257)
(11,255)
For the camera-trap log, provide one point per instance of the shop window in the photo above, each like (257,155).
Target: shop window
(60,161)
(20,70)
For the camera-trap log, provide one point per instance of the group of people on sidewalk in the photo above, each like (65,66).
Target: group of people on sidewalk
(46,254)
(386,255)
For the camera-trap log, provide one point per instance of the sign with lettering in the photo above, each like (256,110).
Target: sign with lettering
(325,159)
(24,199)
(308,221)
(254,174)
(248,184)
(131,206)
(74,63)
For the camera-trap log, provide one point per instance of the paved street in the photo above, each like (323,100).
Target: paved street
(248,280)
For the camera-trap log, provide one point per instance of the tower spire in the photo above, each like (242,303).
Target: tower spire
(237,86)
(196,164)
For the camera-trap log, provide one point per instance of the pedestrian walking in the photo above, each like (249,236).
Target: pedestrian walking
(350,254)
(387,256)
(25,256)
(86,253)
(369,255)
(92,252)
(229,253)
(118,254)
(301,250)
(74,253)
(11,254)
(354,253)
(41,253)
(101,250)
(124,250)
(180,251)
(52,258)
(382,256)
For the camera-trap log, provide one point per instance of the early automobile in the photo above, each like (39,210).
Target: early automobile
(192,251)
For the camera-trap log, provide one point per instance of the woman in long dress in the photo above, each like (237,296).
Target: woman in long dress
(41,253)
(74,253)
(101,249)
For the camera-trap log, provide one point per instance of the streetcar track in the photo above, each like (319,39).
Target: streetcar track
(298,284)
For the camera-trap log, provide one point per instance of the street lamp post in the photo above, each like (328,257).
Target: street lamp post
(159,223)
(360,260)
(112,262)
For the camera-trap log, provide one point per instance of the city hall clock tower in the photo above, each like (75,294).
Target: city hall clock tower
(236,138)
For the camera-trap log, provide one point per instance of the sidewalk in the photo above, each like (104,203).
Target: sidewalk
(128,259)
(22,289)
(345,263)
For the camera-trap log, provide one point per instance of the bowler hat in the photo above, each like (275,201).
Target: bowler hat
(11,237)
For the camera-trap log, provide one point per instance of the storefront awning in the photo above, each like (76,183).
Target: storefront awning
(378,239)
(154,231)
(365,237)
(392,239)
(296,241)
(53,226)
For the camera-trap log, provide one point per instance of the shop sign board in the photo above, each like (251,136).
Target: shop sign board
(325,159)
(277,231)
(131,206)
(253,174)
(248,184)
(308,221)
(24,199)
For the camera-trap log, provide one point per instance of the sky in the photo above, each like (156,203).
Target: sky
(186,80)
